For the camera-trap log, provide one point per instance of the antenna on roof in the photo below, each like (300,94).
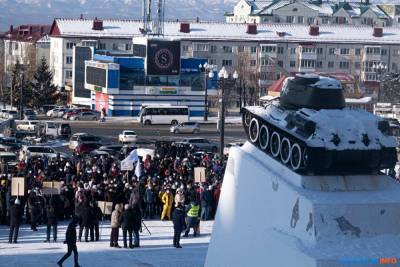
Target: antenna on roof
(156,26)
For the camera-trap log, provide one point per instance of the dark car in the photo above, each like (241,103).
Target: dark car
(86,148)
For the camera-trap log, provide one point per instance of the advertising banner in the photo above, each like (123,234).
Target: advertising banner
(163,57)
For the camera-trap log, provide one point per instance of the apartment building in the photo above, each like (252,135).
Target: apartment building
(66,34)
(360,12)
(27,44)
(266,51)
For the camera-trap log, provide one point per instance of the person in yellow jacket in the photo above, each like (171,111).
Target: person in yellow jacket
(167,200)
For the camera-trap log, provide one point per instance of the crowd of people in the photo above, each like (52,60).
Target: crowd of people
(161,187)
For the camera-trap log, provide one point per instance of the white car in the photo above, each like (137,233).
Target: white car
(127,137)
(40,151)
(79,138)
(13,114)
(29,126)
(185,127)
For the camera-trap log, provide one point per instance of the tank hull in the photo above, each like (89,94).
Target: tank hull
(293,149)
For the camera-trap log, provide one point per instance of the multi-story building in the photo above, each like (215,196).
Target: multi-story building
(260,52)
(27,44)
(310,11)
(2,80)
(65,34)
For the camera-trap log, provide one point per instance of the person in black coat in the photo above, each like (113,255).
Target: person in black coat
(15,220)
(70,240)
(137,223)
(51,220)
(97,217)
(86,222)
(178,218)
(126,221)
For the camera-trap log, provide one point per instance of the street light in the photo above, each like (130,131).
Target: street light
(380,69)
(208,71)
(223,75)
(21,116)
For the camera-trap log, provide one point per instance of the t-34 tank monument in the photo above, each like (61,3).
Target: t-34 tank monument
(307,189)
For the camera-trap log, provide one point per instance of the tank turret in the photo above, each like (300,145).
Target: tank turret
(310,131)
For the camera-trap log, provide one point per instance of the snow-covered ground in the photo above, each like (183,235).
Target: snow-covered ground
(156,249)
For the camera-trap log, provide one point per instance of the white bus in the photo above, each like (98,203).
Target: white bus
(163,114)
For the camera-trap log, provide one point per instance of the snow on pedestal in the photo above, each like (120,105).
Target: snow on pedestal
(271,216)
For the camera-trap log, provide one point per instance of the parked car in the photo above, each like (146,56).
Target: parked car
(127,136)
(80,138)
(73,112)
(54,129)
(97,153)
(86,116)
(29,114)
(9,161)
(29,126)
(201,143)
(59,113)
(3,113)
(8,144)
(46,108)
(40,151)
(111,149)
(86,148)
(12,114)
(185,127)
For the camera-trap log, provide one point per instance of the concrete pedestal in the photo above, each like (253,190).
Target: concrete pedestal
(271,216)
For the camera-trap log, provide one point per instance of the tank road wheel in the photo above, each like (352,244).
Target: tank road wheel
(264,137)
(247,118)
(285,150)
(254,130)
(295,157)
(275,144)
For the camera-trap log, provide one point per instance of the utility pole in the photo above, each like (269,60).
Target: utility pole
(222,120)
(21,116)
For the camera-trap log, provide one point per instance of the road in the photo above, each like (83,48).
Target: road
(109,131)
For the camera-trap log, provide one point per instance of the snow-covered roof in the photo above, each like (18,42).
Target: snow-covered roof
(229,31)
(258,5)
(355,9)
(324,9)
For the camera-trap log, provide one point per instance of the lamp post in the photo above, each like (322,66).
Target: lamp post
(208,72)
(223,75)
(21,116)
(380,69)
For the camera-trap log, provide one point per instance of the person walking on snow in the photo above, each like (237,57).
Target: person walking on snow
(178,218)
(70,240)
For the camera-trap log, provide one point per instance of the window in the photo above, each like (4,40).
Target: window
(253,49)
(319,64)
(185,48)
(300,19)
(213,49)
(200,47)
(320,50)
(394,67)
(357,51)
(265,62)
(383,52)
(307,63)
(289,19)
(310,20)
(340,20)
(212,61)
(373,51)
(240,48)
(253,62)
(15,46)
(368,21)
(268,49)
(325,21)
(280,50)
(357,65)
(292,50)
(70,45)
(102,46)
(128,47)
(68,74)
(227,62)
(115,47)
(331,51)
(344,51)
(331,64)
(308,50)
(344,65)
(292,64)
(280,63)
(227,49)
(68,60)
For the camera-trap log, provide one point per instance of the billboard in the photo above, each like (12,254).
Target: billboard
(81,54)
(163,57)
(96,76)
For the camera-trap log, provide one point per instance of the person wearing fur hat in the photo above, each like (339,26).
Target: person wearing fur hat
(179,197)
(15,221)
(115,226)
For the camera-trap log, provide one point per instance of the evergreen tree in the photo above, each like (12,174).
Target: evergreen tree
(14,94)
(43,90)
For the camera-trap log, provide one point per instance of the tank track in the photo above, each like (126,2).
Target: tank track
(294,153)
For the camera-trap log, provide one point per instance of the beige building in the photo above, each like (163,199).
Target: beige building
(310,12)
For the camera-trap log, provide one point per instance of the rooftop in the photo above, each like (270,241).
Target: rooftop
(228,31)
(28,33)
